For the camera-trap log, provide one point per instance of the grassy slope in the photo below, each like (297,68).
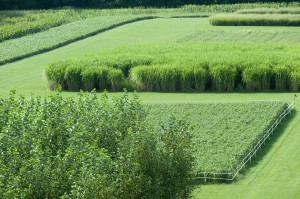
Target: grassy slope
(275,174)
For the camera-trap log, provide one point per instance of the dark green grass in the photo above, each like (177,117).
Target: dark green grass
(255,20)
(224,133)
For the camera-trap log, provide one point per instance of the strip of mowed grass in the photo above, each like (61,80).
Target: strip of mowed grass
(223,132)
(255,20)
(19,23)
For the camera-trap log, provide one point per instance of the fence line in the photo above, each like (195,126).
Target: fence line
(230,176)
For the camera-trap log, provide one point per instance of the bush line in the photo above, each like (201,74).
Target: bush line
(269,11)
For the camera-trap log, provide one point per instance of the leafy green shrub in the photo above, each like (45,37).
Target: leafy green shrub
(156,165)
(55,147)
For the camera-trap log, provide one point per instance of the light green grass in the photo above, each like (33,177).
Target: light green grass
(244,33)
(28,74)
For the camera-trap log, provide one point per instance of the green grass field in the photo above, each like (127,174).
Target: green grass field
(274,173)
(28,74)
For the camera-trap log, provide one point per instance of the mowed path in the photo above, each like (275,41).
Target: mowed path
(28,74)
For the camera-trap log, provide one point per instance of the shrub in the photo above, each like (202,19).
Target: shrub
(61,148)
(156,165)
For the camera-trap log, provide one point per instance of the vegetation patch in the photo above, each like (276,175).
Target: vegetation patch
(269,11)
(183,67)
(53,147)
(223,133)
(255,20)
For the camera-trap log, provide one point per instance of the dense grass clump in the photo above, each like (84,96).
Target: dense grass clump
(53,147)
(255,20)
(183,67)
(75,75)
(269,11)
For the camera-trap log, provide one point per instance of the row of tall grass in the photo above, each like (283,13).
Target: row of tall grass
(186,67)
(269,11)
(255,20)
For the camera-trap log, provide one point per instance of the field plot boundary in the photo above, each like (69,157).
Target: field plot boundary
(230,176)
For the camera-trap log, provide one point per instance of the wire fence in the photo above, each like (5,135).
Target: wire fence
(230,176)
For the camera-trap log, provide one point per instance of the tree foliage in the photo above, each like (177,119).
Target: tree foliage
(54,147)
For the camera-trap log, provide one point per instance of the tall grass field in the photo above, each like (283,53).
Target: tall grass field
(255,20)
(183,67)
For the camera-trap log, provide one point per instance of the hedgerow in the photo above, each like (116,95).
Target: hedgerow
(255,20)
(263,10)
(185,67)
(55,147)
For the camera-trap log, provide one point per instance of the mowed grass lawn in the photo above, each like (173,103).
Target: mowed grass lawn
(276,174)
